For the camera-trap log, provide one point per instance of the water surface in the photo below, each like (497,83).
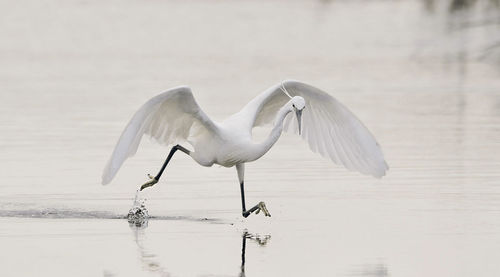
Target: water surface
(422,75)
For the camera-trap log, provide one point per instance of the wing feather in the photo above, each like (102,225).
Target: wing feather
(168,118)
(328,127)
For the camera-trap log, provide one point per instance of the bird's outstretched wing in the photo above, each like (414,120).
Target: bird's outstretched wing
(169,117)
(329,127)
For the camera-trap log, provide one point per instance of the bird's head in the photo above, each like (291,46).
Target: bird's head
(298,104)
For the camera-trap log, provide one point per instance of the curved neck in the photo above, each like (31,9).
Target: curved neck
(276,131)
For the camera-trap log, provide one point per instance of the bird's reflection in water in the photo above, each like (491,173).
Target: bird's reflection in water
(261,240)
(149,261)
(152,265)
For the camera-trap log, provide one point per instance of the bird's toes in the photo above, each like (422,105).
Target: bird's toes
(149,183)
(262,206)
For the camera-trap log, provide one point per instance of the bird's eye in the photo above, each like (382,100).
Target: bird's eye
(293,105)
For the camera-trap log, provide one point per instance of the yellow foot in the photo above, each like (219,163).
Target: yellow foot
(263,208)
(149,183)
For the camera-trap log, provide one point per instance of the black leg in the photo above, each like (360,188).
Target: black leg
(242,189)
(155,179)
(172,151)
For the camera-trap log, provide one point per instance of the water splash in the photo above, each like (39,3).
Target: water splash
(138,215)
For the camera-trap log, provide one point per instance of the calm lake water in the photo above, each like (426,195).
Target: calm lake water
(424,77)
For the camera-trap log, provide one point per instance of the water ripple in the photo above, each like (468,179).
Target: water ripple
(57,213)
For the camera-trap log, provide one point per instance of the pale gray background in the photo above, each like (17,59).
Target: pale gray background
(422,75)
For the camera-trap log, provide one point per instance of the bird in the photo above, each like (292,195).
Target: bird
(174,117)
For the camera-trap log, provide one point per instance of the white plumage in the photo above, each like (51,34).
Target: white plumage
(168,117)
(328,127)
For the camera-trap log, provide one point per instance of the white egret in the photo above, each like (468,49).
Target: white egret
(174,117)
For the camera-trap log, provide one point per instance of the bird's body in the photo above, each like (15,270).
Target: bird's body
(174,117)
(232,144)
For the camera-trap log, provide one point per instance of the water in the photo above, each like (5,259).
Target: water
(138,214)
(422,75)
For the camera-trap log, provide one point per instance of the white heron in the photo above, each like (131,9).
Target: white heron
(174,117)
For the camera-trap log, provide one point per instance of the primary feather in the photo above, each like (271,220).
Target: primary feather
(329,128)
(169,118)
